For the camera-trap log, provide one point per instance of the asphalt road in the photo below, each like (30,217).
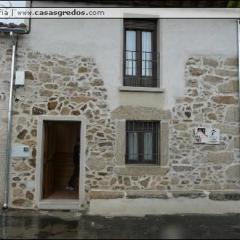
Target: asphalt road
(69,225)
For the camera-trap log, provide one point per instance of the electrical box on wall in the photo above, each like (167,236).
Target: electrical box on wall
(19,78)
(21,151)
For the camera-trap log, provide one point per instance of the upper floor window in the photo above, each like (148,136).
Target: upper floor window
(140,53)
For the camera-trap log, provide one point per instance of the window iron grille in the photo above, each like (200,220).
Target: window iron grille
(143,142)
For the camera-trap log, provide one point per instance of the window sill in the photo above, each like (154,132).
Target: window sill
(141,170)
(141,89)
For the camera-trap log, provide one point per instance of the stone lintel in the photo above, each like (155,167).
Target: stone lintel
(140,113)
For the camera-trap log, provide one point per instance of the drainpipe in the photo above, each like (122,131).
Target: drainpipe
(13,37)
(238,27)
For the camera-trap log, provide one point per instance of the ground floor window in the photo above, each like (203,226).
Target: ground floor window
(142,143)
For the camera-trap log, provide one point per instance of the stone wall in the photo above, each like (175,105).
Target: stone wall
(56,85)
(5,69)
(211,100)
(194,170)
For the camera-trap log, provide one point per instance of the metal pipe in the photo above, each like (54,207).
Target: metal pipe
(9,127)
(238,30)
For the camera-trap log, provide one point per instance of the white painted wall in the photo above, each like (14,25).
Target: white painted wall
(102,39)
(182,38)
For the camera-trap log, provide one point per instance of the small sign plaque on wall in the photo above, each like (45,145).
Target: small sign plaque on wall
(206,135)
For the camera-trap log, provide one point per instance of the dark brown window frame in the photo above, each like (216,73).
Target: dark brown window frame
(142,127)
(141,25)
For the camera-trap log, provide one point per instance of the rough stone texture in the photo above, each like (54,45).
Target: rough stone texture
(73,86)
(206,167)
(56,85)
(232,114)
(233,172)
(220,157)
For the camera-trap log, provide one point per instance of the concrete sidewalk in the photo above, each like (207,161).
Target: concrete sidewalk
(71,225)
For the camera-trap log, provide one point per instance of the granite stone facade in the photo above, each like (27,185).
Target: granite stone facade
(211,100)
(60,86)
(56,85)
(192,170)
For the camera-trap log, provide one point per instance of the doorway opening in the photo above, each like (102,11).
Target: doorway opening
(61,160)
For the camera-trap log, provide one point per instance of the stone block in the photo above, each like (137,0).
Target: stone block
(52,105)
(212,116)
(29,75)
(220,157)
(65,71)
(233,172)
(44,77)
(51,86)
(232,114)
(38,111)
(210,62)
(225,99)
(192,83)
(82,70)
(22,134)
(213,79)
(236,142)
(226,73)
(230,87)
(196,71)
(181,126)
(45,93)
(106,194)
(135,194)
(233,62)
(224,196)
(183,168)
(82,99)
(22,203)
(189,194)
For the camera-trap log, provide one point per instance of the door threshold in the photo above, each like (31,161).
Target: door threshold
(59,204)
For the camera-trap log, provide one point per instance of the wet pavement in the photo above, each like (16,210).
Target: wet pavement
(69,225)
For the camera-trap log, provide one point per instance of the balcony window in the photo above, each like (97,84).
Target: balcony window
(140,53)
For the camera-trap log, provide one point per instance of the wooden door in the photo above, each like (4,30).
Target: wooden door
(48,170)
